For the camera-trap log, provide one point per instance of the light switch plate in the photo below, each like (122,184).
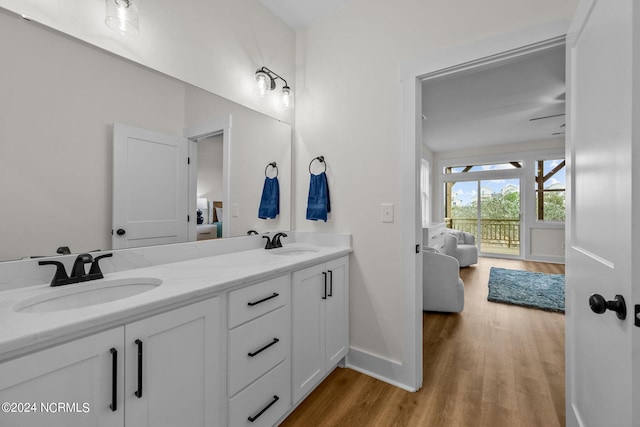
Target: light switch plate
(387,212)
(235,210)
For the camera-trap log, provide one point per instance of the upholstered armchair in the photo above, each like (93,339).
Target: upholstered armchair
(462,246)
(442,288)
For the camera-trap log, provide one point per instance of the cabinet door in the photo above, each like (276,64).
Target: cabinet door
(181,368)
(307,306)
(70,385)
(337,309)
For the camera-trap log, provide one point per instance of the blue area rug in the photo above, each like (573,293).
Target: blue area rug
(528,289)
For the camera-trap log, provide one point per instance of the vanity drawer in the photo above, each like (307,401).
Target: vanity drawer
(265,401)
(255,300)
(258,346)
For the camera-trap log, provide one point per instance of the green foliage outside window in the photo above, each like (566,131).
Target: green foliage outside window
(554,206)
(499,206)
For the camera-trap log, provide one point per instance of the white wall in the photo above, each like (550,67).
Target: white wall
(348,109)
(213,44)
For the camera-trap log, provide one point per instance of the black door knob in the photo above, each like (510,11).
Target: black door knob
(121,232)
(599,305)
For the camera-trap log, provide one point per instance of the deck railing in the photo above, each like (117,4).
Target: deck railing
(501,232)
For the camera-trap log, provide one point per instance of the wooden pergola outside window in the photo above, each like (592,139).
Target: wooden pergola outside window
(541,178)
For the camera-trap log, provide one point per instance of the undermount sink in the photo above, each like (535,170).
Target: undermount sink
(293,251)
(87,294)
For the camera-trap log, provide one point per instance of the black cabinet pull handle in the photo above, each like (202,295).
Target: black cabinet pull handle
(251,304)
(138,392)
(256,416)
(114,380)
(324,295)
(255,353)
(330,283)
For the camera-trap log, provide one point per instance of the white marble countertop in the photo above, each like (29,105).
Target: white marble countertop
(182,283)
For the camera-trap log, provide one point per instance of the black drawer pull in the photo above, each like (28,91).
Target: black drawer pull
(330,283)
(256,416)
(257,352)
(138,392)
(114,380)
(251,304)
(324,295)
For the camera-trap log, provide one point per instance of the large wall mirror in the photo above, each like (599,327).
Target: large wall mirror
(60,99)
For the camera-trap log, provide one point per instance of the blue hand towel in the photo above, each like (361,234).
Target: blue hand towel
(270,200)
(318,203)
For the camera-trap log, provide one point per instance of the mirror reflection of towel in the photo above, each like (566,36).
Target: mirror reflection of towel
(318,203)
(270,200)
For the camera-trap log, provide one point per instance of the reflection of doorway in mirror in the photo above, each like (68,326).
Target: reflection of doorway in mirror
(209,181)
(210,172)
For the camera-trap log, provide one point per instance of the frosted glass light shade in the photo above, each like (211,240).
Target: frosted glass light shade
(263,82)
(287,97)
(122,17)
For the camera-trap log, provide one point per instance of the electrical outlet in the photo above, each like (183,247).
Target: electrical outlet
(387,212)
(235,210)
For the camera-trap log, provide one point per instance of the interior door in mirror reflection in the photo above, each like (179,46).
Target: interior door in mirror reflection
(150,187)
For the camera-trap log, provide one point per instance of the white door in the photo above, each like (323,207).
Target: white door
(602,384)
(150,188)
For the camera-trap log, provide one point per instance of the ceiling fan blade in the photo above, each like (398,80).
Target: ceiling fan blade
(547,117)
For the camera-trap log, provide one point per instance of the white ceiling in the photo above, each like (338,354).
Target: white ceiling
(299,13)
(494,106)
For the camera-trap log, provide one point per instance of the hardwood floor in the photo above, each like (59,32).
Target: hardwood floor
(491,365)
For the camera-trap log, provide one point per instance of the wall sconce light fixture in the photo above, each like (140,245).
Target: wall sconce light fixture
(122,17)
(266,80)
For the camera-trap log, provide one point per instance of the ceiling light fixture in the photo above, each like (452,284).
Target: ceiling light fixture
(266,80)
(122,17)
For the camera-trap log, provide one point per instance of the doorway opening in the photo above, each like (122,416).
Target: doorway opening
(209,185)
(412,74)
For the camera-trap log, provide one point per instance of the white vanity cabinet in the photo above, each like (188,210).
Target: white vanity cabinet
(78,374)
(320,322)
(174,368)
(245,355)
(97,377)
(258,367)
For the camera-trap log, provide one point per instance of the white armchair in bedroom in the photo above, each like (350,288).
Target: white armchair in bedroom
(442,288)
(462,246)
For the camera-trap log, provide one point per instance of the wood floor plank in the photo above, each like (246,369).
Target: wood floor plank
(494,365)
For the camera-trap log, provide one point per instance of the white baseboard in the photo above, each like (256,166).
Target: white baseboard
(546,258)
(378,367)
